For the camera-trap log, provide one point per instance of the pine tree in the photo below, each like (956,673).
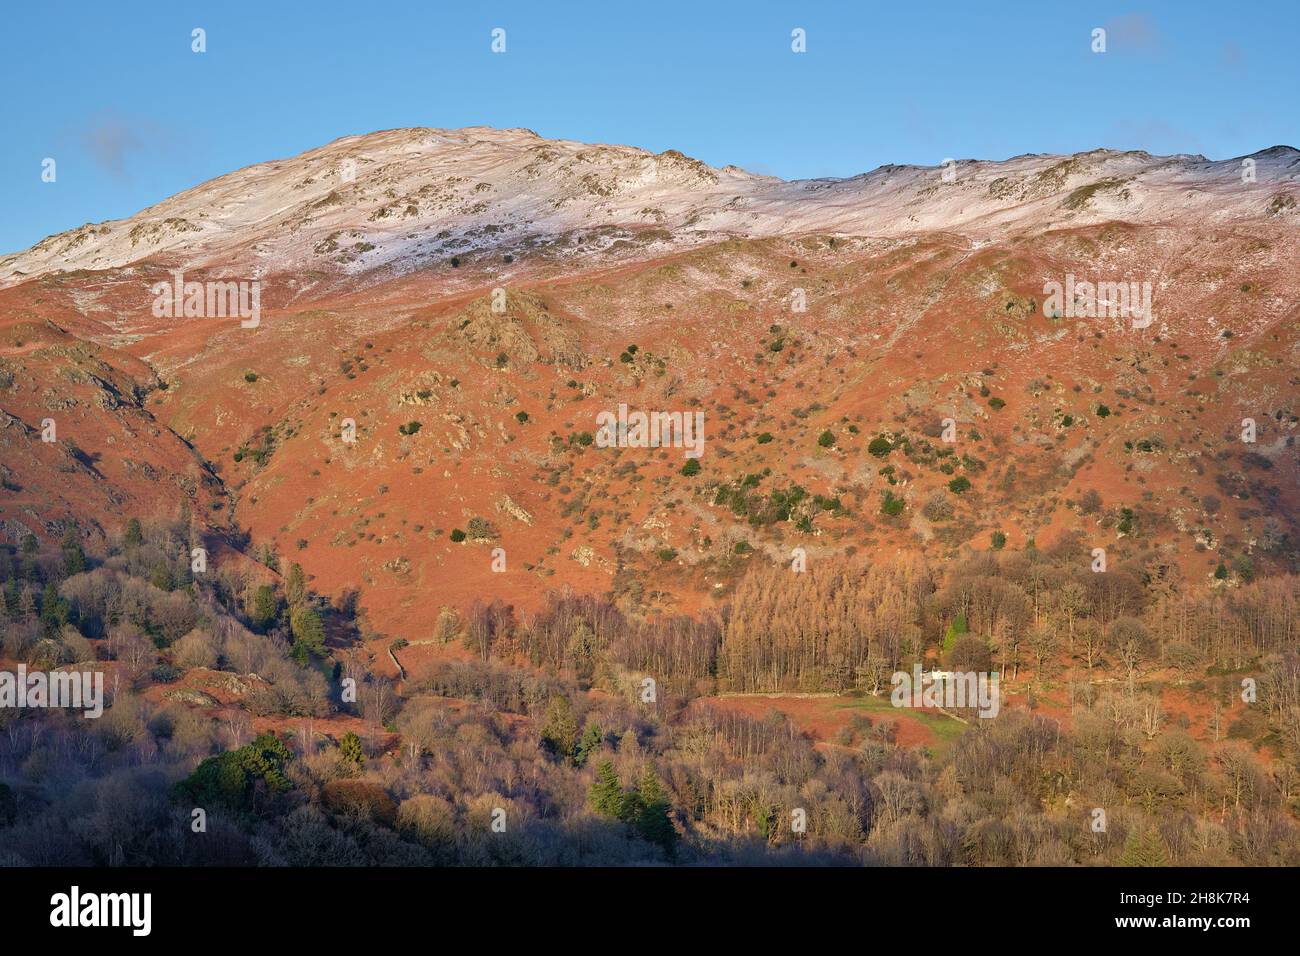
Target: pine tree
(652,821)
(630,807)
(55,611)
(74,558)
(295,586)
(561,727)
(308,630)
(593,738)
(351,751)
(265,607)
(651,789)
(133,537)
(606,795)
(1145,847)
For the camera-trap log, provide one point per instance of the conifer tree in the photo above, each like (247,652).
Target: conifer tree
(74,558)
(55,611)
(561,727)
(1144,847)
(605,794)
(631,806)
(351,751)
(265,607)
(308,630)
(652,821)
(593,738)
(295,586)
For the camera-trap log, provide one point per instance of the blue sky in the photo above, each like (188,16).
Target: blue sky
(114,94)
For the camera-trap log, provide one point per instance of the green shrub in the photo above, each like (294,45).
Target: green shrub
(165,673)
(230,779)
(1126,521)
(833,505)
(350,749)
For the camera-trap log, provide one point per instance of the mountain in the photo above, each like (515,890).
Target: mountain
(474,300)
(403,199)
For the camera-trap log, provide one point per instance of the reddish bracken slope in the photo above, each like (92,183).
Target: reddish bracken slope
(470,302)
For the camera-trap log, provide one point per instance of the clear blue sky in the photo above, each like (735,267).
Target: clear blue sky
(113,93)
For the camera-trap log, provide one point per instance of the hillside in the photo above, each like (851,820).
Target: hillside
(399,472)
(874,307)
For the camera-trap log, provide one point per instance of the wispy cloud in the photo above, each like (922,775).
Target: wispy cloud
(1232,56)
(1134,33)
(112,139)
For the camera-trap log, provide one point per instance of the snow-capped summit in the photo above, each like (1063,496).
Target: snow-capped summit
(404,198)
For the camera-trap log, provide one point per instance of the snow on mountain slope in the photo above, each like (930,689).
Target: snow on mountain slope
(406,198)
